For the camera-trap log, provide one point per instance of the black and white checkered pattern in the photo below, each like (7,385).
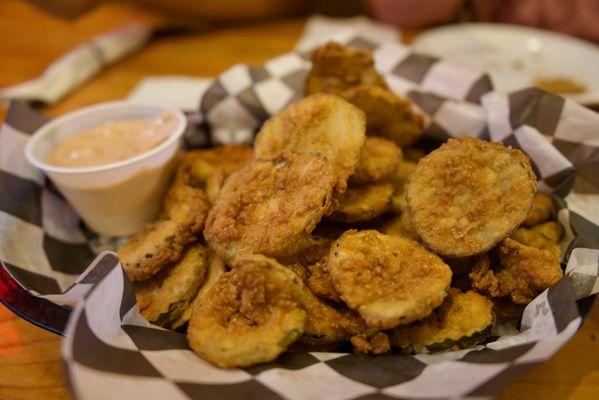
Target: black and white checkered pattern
(109,350)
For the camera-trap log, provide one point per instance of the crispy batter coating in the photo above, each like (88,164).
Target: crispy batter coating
(535,239)
(402,175)
(551,229)
(468,195)
(379,161)
(326,324)
(270,207)
(378,344)
(387,114)
(363,203)
(389,280)
(398,225)
(207,169)
(161,244)
(336,68)
(322,124)
(250,315)
(216,267)
(522,272)
(463,320)
(320,282)
(542,207)
(163,298)
(196,166)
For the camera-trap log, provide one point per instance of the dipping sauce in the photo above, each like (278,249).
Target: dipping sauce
(112,142)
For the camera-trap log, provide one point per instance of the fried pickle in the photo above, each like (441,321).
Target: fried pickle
(270,207)
(163,298)
(216,267)
(379,160)
(320,283)
(463,320)
(542,207)
(378,344)
(388,280)
(161,244)
(535,239)
(322,124)
(466,196)
(336,68)
(363,203)
(551,229)
(250,315)
(520,271)
(196,166)
(387,115)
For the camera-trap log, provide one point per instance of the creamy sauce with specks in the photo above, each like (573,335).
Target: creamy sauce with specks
(112,142)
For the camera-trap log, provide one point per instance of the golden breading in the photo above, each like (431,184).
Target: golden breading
(320,283)
(551,229)
(336,68)
(378,344)
(388,280)
(363,203)
(542,207)
(535,239)
(399,225)
(161,244)
(387,115)
(463,320)
(402,175)
(379,161)
(207,169)
(468,195)
(163,298)
(270,207)
(320,124)
(197,165)
(250,315)
(325,324)
(522,272)
(216,267)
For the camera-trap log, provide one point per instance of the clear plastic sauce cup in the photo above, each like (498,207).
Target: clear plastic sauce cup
(116,199)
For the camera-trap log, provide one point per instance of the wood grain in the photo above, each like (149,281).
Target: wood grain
(30,365)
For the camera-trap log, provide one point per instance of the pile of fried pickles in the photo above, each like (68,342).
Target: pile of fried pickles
(337,230)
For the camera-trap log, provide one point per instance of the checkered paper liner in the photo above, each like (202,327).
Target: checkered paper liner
(110,350)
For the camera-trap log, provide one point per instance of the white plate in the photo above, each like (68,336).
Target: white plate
(515,56)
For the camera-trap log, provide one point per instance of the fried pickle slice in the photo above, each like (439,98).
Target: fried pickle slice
(270,207)
(363,203)
(378,344)
(551,229)
(336,68)
(320,283)
(387,115)
(532,238)
(388,280)
(216,267)
(249,316)
(321,124)
(520,271)
(463,320)
(402,175)
(207,169)
(379,160)
(468,195)
(163,298)
(162,243)
(542,207)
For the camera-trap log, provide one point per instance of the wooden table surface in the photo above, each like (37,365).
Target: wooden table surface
(30,365)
